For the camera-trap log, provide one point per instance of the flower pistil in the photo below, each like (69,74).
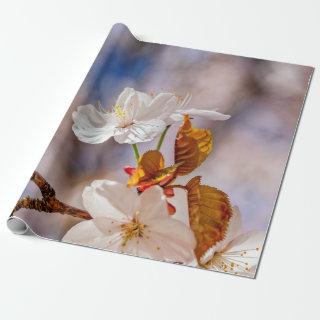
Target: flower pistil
(132,229)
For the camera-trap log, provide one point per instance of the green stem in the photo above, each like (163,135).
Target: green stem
(136,152)
(163,134)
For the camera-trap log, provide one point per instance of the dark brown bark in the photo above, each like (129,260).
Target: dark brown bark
(49,202)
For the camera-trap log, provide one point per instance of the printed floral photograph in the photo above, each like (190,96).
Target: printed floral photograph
(171,154)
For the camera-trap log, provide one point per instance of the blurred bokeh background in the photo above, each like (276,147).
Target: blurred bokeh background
(264,99)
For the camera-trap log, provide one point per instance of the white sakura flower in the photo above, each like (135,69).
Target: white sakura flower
(136,117)
(210,114)
(125,222)
(236,253)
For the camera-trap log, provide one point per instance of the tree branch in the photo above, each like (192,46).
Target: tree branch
(49,203)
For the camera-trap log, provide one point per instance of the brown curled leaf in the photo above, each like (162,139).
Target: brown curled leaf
(209,215)
(192,146)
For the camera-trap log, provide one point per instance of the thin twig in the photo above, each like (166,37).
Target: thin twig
(178,186)
(49,203)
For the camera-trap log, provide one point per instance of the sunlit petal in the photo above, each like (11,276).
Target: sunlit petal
(105,198)
(208,114)
(141,131)
(92,125)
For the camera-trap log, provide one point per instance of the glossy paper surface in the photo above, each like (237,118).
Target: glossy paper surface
(169,153)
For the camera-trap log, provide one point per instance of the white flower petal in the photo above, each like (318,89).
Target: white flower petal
(208,114)
(105,198)
(165,104)
(185,101)
(152,204)
(133,105)
(89,233)
(140,131)
(108,226)
(86,233)
(125,98)
(146,248)
(233,230)
(91,125)
(132,102)
(170,251)
(180,202)
(144,98)
(124,95)
(175,240)
(140,99)
(130,247)
(162,106)
(174,117)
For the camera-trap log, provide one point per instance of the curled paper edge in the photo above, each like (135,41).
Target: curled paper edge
(18,226)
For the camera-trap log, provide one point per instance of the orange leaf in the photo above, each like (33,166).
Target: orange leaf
(151,171)
(161,178)
(192,146)
(151,161)
(209,214)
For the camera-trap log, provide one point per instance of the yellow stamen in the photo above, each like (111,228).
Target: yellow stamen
(131,230)
(119,111)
